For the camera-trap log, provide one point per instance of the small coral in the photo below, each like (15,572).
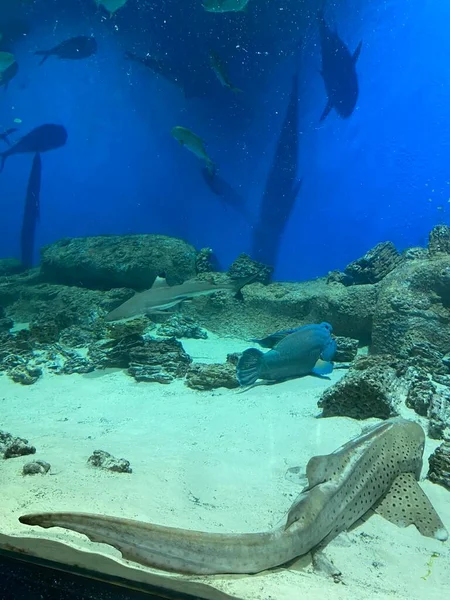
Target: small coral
(104,460)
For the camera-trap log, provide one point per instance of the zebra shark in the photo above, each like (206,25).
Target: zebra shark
(377,470)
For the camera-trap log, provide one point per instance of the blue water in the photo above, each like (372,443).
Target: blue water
(383,173)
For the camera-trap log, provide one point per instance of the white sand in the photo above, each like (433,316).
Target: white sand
(207,461)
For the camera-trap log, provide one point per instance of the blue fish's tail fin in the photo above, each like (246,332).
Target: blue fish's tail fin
(322,367)
(44,53)
(249,366)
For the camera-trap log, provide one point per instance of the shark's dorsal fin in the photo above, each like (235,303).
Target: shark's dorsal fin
(322,468)
(406,503)
(357,52)
(159,283)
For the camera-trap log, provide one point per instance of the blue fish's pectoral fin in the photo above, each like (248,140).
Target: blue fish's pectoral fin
(326,111)
(322,368)
(407,504)
(329,351)
(357,52)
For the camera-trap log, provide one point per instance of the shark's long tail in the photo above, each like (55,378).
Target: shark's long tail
(179,550)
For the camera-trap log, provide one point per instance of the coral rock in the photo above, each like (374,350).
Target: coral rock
(439,463)
(38,467)
(182,326)
(104,460)
(413,310)
(10,266)
(132,261)
(347,349)
(375,264)
(159,361)
(244,266)
(12,447)
(205,261)
(211,376)
(439,240)
(370,389)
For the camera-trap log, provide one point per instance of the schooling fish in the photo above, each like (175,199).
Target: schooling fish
(377,470)
(161,296)
(194,143)
(5,135)
(42,139)
(74,48)
(338,71)
(303,352)
(221,6)
(220,71)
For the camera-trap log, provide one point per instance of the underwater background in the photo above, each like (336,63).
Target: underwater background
(381,173)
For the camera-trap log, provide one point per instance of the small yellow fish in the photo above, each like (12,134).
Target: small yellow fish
(222,6)
(6,60)
(219,68)
(111,6)
(194,144)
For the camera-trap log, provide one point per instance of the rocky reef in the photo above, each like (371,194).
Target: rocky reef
(398,304)
(115,261)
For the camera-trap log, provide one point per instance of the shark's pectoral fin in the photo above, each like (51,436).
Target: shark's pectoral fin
(406,503)
(324,565)
(326,111)
(300,563)
(357,52)
(154,311)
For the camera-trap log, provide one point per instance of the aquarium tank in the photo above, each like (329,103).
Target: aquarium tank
(225,296)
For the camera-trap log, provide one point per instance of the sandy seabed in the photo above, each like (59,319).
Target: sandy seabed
(212,461)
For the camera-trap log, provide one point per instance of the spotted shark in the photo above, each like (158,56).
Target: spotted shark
(376,471)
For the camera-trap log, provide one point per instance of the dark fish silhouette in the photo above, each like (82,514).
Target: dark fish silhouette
(31,212)
(9,74)
(5,135)
(186,83)
(338,71)
(221,188)
(282,186)
(74,48)
(41,139)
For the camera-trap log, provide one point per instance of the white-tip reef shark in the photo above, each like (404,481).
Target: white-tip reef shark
(377,470)
(161,296)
